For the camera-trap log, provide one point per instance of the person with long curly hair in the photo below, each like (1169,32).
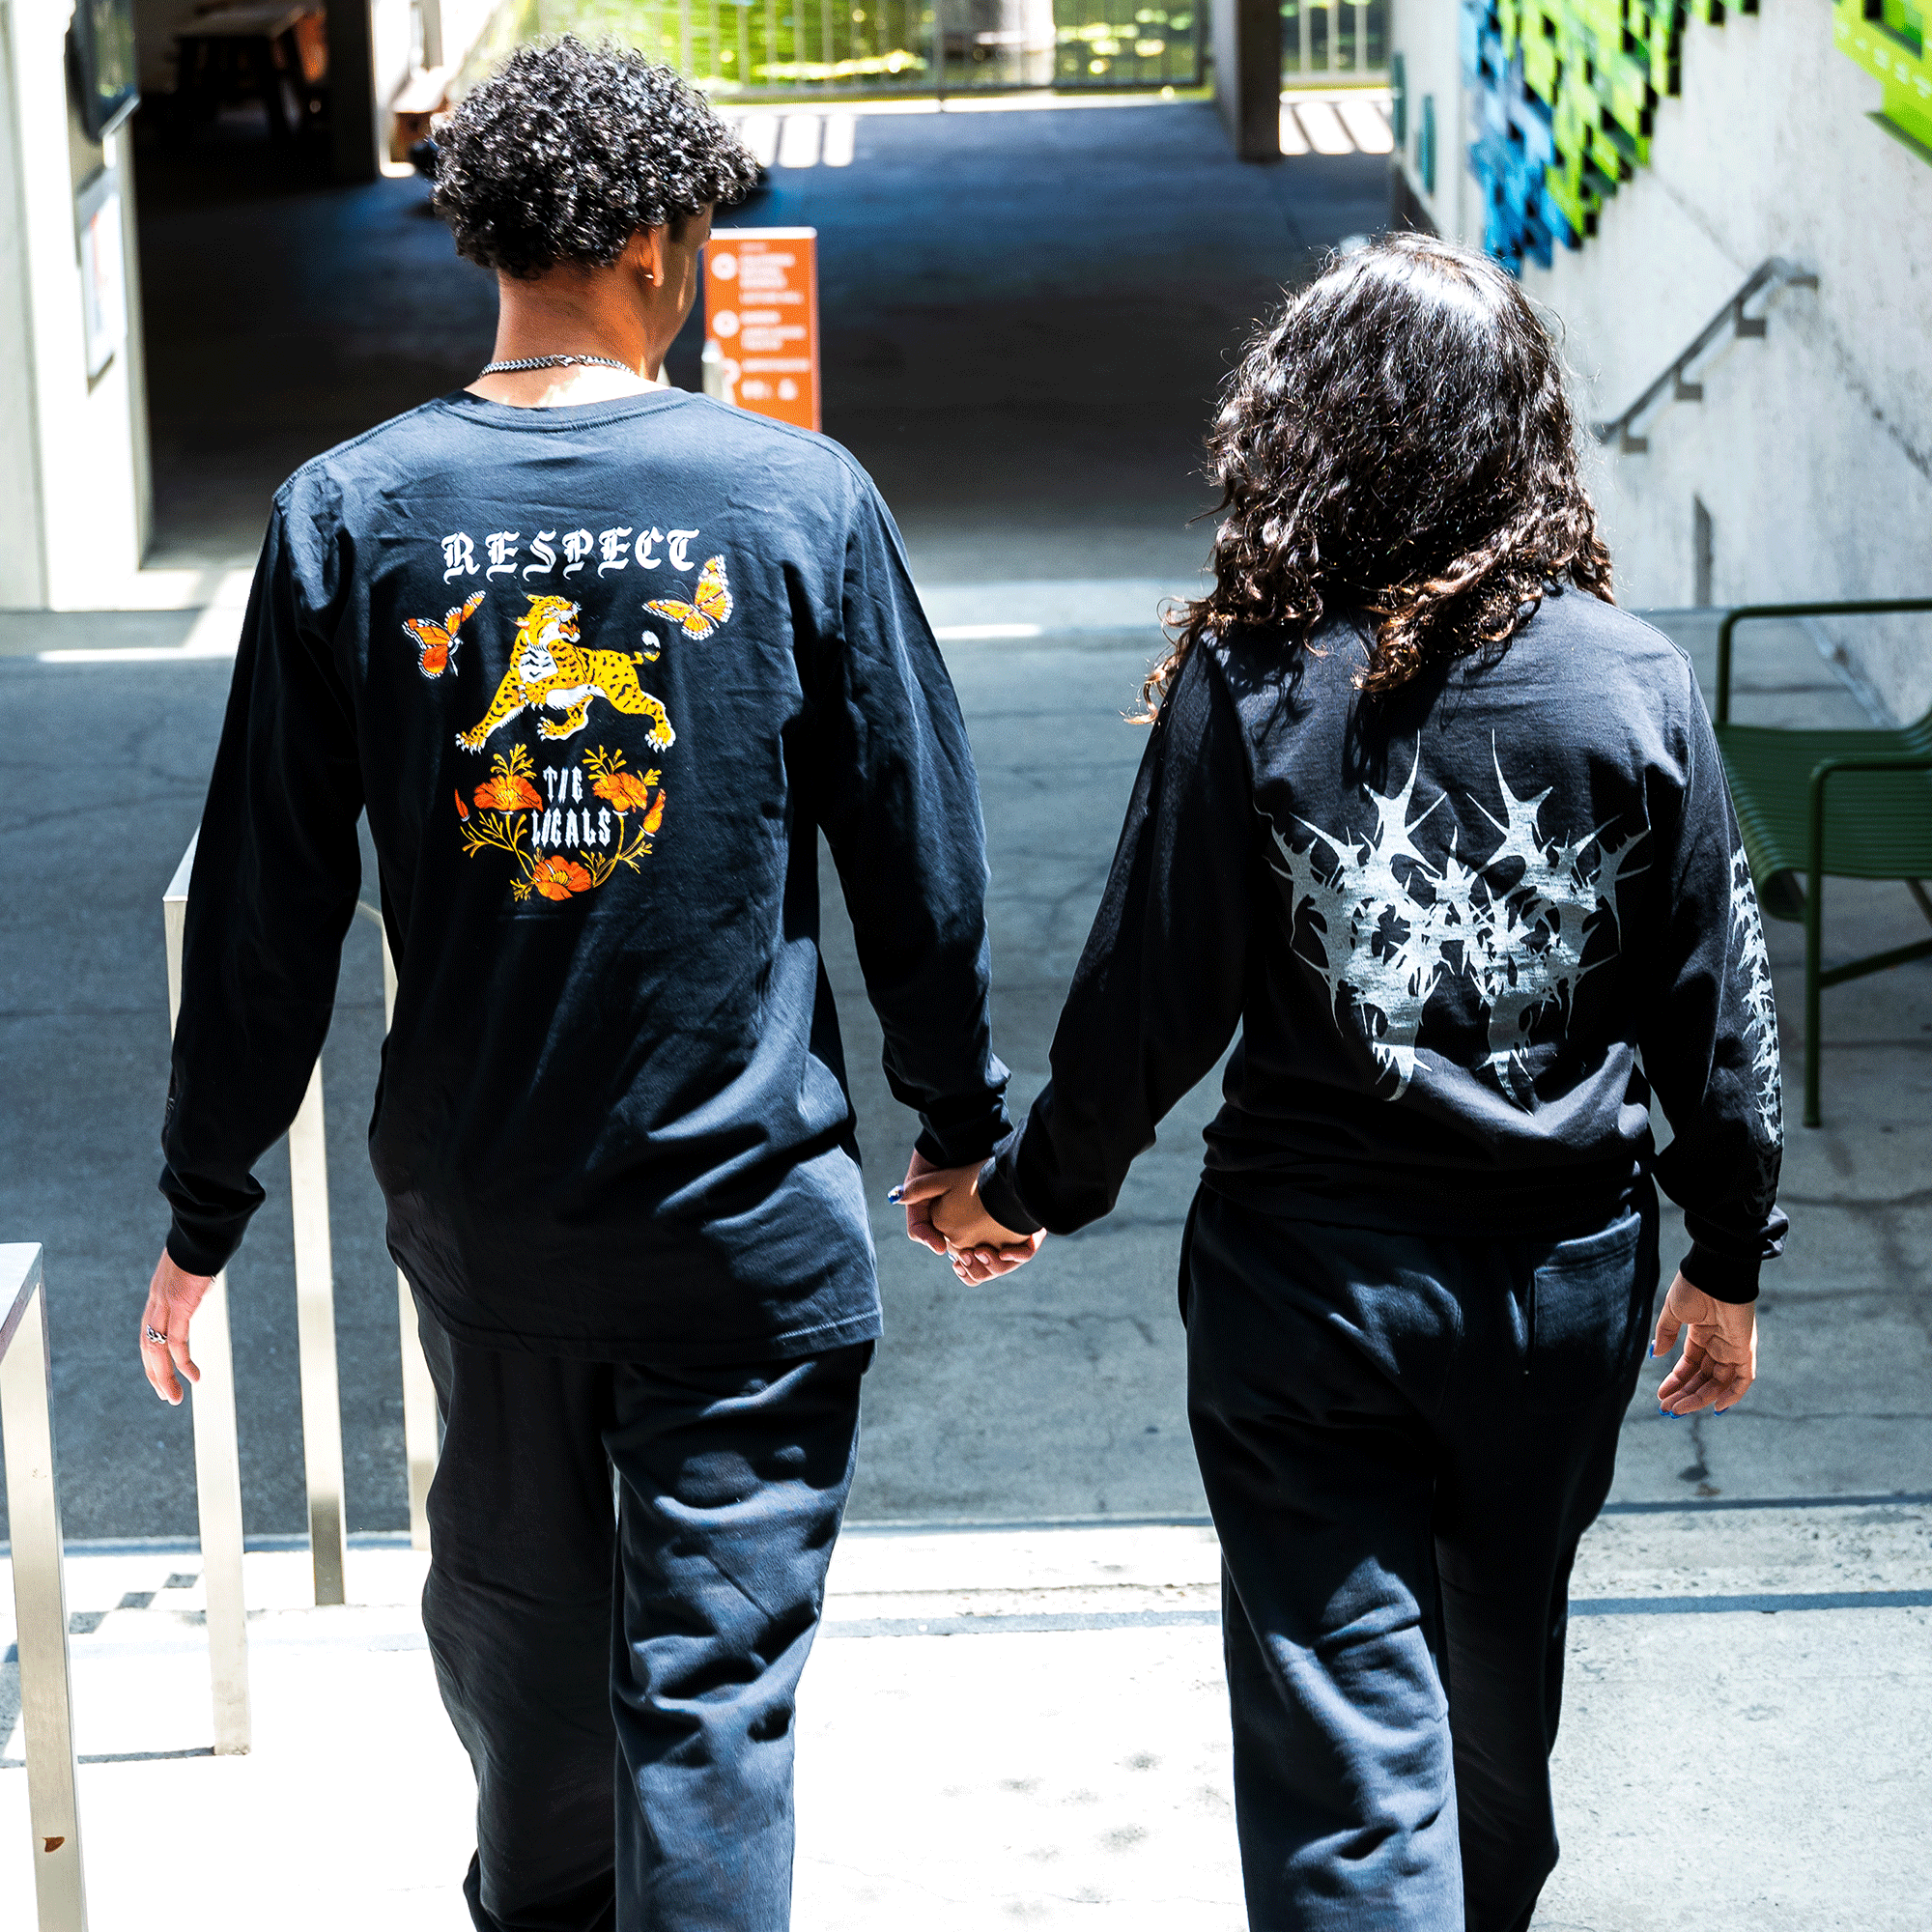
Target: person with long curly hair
(1444,834)
(601,659)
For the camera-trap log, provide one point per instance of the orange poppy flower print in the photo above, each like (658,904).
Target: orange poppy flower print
(462,810)
(626,791)
(654,817)
(556,878)
(508,791)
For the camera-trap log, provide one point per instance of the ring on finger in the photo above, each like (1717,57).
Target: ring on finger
(155,1335)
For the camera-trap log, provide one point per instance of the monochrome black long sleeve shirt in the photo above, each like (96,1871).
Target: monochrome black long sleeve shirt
(600,676)
(1463,933)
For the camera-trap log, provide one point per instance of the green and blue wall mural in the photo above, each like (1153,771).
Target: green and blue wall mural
(1566,90)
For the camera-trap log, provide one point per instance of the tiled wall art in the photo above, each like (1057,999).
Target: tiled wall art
(1565,90)
(1886,38)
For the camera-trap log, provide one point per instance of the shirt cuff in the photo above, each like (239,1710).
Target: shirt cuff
(1721,1276)
(960,1144)
(999,1193)
(193,1256)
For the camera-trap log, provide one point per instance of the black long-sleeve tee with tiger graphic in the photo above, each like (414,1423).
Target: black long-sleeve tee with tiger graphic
(1464,930)
(599,675)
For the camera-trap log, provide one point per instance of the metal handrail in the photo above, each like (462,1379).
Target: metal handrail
(1773,272)
(315,1311)
(40,1590)
(421,1432)
(217,1455)
(1750,614)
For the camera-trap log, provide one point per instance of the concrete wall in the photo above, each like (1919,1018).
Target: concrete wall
(73,483)
(1812,448)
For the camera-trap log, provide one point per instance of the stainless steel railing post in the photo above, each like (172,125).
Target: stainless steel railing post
(419,1424)
(218,1460)
(40,1590)
(314,1328)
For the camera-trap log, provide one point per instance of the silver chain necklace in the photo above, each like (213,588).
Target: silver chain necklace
(552,362)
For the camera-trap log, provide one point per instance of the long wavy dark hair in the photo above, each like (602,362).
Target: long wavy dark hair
(1396,441)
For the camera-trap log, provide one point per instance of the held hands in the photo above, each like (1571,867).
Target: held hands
(942,1213)
(173,1296)
(1720,1359)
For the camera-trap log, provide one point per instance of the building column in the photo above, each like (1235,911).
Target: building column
(73,483)
(1247,75)
(355,126)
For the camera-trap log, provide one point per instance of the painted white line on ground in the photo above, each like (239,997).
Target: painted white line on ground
(760,133)
(1073,604)
(214,634)
(798,145)
(1292,140)
(842,132)
(1323,127)
(1367,126)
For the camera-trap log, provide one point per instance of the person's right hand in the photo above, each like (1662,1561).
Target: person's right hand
(173,1296)
(1720,1359)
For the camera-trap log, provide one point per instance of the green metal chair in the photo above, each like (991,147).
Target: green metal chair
(1847,805)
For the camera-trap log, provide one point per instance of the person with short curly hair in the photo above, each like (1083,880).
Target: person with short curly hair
(601,660)
(1445,836)
(570,152)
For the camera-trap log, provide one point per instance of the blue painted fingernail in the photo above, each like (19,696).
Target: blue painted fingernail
(897,1196)
(1653,1351)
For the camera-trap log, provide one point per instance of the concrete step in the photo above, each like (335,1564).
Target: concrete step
(1028,1722)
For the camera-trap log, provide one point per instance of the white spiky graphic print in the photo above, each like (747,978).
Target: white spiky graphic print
(1391,926)
(1760,1012)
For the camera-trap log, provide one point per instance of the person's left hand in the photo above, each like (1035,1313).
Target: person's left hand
(923,1185)
(1720,1359)
(978,1247)
(173,1296)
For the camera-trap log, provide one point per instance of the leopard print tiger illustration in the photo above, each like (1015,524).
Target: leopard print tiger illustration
(551,669)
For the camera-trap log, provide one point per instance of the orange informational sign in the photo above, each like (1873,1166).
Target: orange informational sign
(761,321)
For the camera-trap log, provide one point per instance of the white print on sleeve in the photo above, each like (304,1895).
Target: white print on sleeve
(1387,942)
(1760,1010)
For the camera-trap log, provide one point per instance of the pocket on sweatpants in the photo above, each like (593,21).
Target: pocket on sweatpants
(1589,1308)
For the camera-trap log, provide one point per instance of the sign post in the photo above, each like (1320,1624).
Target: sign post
(761,322)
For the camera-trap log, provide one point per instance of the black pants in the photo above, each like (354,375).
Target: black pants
(1403,1438)
(623,1680)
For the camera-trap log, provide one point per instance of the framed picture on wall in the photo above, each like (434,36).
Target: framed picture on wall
(103,40)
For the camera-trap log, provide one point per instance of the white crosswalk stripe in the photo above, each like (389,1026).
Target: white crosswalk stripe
(798,145)
(1343,123)
(760,133)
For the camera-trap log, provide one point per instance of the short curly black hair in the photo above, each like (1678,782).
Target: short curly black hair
(567,151)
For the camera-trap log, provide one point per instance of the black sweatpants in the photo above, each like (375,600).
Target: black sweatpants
(623,1680)
(1403,1438)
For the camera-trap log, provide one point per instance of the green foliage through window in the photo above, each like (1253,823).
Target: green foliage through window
(753,49)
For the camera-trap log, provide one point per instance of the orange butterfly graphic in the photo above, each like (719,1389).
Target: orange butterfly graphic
(437,642)
(710,606)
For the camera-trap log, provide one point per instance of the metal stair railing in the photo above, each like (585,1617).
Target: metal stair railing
(40,1590)
(217,1472)
(1774,273)
(217,1458)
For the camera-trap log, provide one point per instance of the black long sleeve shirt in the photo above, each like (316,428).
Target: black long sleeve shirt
(599,675)
(1464,931)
